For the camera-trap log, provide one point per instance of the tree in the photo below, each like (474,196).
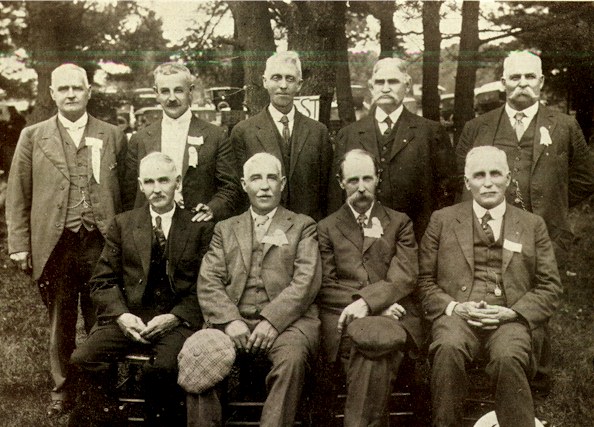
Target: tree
(431,58)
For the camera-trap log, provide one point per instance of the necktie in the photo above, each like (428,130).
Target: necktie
(388,121)
(286,133)
(159,234)
(519,125)
(486,227)
(259,228)
(361,220)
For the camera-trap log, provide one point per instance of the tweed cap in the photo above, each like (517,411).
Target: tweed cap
(490,420)
(376,336)
(205,360)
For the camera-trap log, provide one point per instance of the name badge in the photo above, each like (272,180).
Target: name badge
(512,246)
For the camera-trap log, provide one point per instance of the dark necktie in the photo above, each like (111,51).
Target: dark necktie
(486,227)
(286,133)
(361,220)
(388,121)
(159,234)
(519,125)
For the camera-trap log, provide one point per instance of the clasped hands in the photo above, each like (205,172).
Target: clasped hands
(134,328)
(484,316)
(260,340)
(359,309)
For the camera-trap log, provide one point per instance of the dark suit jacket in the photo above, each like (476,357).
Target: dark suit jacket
(421,163)
(291,273)
(311,158)
(529,276)
(213,181)
(120,277)
(37,193)
(381,271)
(562,174)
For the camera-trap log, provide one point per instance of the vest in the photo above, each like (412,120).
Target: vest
(79,209)
(286,160)
(519,159)
(158,297)
(487,267)
(384,145)
(254,297)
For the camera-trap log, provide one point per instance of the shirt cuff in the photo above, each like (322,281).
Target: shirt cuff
(450,308)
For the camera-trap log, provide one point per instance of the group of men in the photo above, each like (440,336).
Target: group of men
(127,229)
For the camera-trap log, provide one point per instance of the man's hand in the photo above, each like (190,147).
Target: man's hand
(355,310)
(239,333)
(395,310)
(463,309)
(160,325)
(491,316)
(132,326)
(203,213)
(262,338)
(22,260)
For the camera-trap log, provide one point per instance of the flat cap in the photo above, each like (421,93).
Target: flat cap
(376,336)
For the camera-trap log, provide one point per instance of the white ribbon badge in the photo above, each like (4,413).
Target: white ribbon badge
(96,145)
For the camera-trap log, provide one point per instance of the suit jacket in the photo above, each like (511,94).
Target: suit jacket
(529,272)
(38,184)
(562,174)
(382,271)
(311,158)
(213,181)
(292,273)
(421,165)
(120,277)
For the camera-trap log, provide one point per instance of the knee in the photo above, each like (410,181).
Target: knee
(294,358)
(508,360)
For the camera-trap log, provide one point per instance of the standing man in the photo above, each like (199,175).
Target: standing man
(144,289)
(552,168)
(257,283)
(488,279)
(299,142)
(369,264)
(201,151)
(415,157)
(63,190)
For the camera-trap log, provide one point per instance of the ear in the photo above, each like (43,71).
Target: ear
(177,182)
(283,182)
(466,184)
(51,90)
(140,184)
(243,184)
(339,181)
(542,79)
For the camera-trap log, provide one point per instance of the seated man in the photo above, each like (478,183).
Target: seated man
(144,290)
(488,280)
(369,262)
(257,283)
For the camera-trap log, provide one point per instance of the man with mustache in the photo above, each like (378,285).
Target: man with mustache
(488,281)
(301,143)
(63,189)
(551,167)
(201,151)
(415,156)
(369,271)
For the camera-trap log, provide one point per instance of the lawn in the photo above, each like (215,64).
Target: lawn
(24,375)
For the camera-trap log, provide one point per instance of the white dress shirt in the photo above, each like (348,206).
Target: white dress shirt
(277,115)
(270,215)
(380,116)
(529,112)
(367,213)
(174,134)
(166,219)
(75,129)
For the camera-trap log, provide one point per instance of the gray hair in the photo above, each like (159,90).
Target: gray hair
(355,152)
(266,157)
(70,67)
(158,156)
(522,56)
(288,57)
(486,151)
(169,68)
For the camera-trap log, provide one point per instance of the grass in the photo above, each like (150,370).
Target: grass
(24,373)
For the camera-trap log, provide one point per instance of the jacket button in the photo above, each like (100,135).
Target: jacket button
(58,225)
(464,288)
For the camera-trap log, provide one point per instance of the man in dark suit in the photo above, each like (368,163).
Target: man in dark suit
(63,189)
(144,289)
(488,279)
(552,168)
(415,156)
(299,142)
(201,151)
(257,283)
(369,262)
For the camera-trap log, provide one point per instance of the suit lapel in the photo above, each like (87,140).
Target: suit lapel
(405,133)
(543,119)
(179,237)
(280,221)
(243,229)
(348,226)
(299,137)
(143,234)
(463,230)
(153,139)
(266,134)
(367,137)
(93,130)
(512,231)
(51,145)
(379,212)
(488,128)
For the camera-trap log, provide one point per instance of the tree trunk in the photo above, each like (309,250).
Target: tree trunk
(467,66)
(582,88)
(431,52)
(384,12)
(344,95)
(254,35)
